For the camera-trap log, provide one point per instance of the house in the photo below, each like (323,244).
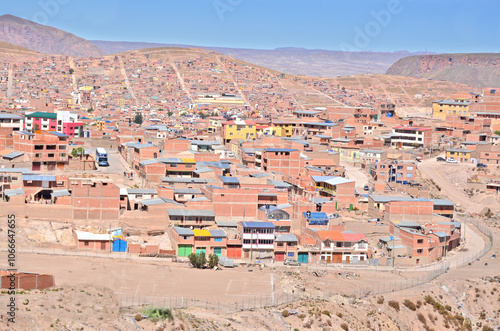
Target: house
(343,247)
(46,150)
(286,246)
(257,239)
(411,137)
(92,241)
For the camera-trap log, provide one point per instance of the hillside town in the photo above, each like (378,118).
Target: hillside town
(186,151)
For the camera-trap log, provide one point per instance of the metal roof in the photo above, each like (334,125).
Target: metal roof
(332,180)
(229,180)
(141,191)
(40,114)
(277,183)
(259,175)
(10,116)
(288,237)
(58,134)
(14,192)
(258,225)
(60,193)
(267,194)
(186,191)
(191,212)
(16,170)
(317,216)
(183,231)
(218,233)
(186,180)
(13,155)
(39,178)
(280,150)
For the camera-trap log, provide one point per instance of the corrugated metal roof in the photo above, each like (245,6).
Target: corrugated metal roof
(39,178)
(13,155)
(183,231)
(186,191)
(191,212)
(258,225)
(14,192)
(229,180)
(141,191)
(218,233)
(288,237)
(60,193)
(277,183)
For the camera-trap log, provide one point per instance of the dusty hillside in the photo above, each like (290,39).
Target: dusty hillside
(7,49)
(479,70)
(456,306)
(44,39)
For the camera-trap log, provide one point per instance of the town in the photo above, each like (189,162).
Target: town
(166,153)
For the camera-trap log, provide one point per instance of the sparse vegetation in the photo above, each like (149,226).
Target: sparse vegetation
(394,304)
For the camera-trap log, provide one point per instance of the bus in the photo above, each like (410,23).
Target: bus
(101,157)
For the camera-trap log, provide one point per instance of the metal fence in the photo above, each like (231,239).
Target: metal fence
(227,305)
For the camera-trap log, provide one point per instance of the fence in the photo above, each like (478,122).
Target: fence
(226,305)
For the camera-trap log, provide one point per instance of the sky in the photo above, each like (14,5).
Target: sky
(443,26)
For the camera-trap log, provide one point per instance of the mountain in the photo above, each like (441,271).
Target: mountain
(44,39)
(298,61)
(476,69)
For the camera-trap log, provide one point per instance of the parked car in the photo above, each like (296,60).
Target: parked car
(482,165)
(292,262)
(366,188)
(450,160)
(441,159)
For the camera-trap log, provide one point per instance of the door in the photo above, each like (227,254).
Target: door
(328,259)
(279,256)
(234,252)
(303,257)
(103,245)
(337,258)
(348,259)
(184,250)
(36,166)
(218,251)
(201,250)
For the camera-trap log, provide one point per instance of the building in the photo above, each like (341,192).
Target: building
(461,155)
(411,137)
(343,247)
(237,129)
(46,150)
(395,172)
(443,108)
(283,160)
(257,239)
(11,121)
(92,241)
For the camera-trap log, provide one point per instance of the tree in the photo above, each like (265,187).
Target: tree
(36,127)
(197,260)
(77,152)
(71,71)
(213,260)
(138,118)
(497,133)
(170,113)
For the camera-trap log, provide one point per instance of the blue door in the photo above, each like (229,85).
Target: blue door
(119,246)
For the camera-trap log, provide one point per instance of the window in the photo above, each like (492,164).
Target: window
(420,251)
(265,241)
(420,241)
(409,175)
(218,239)
(50,155)
(86,243)
(280,244)
(291,254)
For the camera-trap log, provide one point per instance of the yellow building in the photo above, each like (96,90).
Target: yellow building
(443,108)
(282,129)
(245,130)
(100,125)
(460,155)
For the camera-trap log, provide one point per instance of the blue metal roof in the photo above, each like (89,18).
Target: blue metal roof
(317,216)
(60,193)
(59,134)
(229,180)
(14,192)
(183,231)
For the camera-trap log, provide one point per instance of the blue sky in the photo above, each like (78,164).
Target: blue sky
(413,25)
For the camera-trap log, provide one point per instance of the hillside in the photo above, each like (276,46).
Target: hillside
(297,61)
(44,39)
(478,70)
(8,48)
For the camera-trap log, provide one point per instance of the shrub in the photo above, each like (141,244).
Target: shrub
(285,313)
(380,300)
(213,260)
(156,314)
(197,260)
(327,313)
(394,304)
(410,305)
(301,316)
(344,326)
(339,315)
(421,318)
